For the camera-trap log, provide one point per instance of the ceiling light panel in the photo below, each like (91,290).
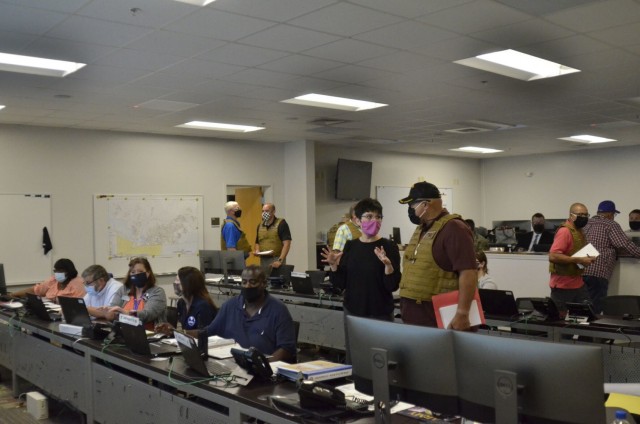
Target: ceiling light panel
(588,139)
(332,102)
(37,65)
(217,126)
(472,149)
(196,2)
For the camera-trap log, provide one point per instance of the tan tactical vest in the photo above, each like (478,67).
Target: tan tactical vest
(331,234)
(422,278)
(268,238)
(355,231)
(578,243)
(243,244)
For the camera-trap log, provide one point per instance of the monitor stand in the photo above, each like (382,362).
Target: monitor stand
(380,377)
(506,397)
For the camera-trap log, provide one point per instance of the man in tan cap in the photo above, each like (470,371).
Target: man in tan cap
(439,258)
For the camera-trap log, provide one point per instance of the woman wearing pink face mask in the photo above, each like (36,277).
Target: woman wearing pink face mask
(368,268)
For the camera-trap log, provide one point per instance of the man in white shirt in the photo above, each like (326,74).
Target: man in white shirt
(101,288)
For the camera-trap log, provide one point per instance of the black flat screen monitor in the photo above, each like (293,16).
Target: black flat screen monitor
(353,179)
(210,262)
(3,282)
(397,239)
(558,382)
(424,372)
(232,262)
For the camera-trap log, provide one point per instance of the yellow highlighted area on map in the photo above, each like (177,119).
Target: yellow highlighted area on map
(127,248)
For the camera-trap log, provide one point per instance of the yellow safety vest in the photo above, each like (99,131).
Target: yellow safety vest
(268,238)
(243,243)
(579,242)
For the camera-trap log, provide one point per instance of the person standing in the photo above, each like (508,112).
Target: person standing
(566,270)
(368,268)
(273,235)
(231,236)
(606,236)
(439,258)
(350,230)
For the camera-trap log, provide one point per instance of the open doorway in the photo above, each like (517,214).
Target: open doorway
(250,199)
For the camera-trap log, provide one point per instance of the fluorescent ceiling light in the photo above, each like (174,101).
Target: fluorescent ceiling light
(215,126)
(588,139)
(331,102)
(471,149)
(37,65)
(197,2)
(1,107)
(518,65)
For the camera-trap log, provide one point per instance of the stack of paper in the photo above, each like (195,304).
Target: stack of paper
(314,370)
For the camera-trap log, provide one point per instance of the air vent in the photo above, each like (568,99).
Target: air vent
(467,130)
(328,122)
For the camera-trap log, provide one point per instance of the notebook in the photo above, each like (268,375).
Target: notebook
(192,357)
(75,311)
(135,339)
(498,304)
(36,306)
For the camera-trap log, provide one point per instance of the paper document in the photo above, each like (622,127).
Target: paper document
(222,352)
(587,251)
(265,253)
(448,312)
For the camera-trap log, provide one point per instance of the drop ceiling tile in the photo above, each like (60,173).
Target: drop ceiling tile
(409,8)
(349,51)
(260,77)
(66,6)
(138,59)
(597,16)
(174,43)
(11,42)
(407,35)
(202,68)
(96,31)
(219,25)
(524,33)
(301,65)
(624,35)
(150,13)
(242,55)
(289,38)
(274,10)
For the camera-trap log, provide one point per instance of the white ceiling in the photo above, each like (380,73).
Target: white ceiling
(166,63)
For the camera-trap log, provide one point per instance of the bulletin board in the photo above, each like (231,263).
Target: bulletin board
(395,214)
(22,219)
(166,229)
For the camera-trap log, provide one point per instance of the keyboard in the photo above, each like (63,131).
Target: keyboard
(216,368)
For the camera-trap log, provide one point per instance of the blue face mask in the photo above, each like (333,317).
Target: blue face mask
(60,277)
(139,280)
(90,290)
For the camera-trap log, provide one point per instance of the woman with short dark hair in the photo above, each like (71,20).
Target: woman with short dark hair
(63,282)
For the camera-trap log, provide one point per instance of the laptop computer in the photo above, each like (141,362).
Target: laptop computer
(135,338)
(192,357)
(36,306)
(544,309)
(301,283)
(617,323)
(498,304)
(75,311)
(580,312)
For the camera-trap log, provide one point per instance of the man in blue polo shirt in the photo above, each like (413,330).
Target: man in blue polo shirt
(256,319)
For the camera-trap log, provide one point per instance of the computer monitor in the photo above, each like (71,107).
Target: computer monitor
(3,282)
(232,262)
(397,239)
(544,382)
(419,360)
(210,262)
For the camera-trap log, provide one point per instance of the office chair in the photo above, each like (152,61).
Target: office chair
(621,305)
(172,316)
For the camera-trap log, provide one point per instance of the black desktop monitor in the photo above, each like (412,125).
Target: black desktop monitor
(556,382)
(210,262)
(3,282)
(422,369)
(397,239)
(232,262)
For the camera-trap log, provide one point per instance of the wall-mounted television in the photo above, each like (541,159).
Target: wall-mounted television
(353,179)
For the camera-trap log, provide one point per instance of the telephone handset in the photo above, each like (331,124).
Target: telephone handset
(253,361)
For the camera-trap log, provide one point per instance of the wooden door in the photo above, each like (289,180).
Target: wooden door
(250,201)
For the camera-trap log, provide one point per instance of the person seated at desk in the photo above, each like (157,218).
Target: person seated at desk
(484,279)
(479,242)
(539,236)
(101,290)
(139,296)
(256,319)
(196,309)
(64,282)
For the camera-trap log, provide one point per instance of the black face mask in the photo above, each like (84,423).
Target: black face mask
(538,228)
(634,225)
(139,280)
(238,213)
(413,217)
(580,221)
(251,294)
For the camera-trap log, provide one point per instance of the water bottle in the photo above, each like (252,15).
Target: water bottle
(621,418)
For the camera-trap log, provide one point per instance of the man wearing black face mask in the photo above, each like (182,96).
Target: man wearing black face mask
(566,274)
(607,237)
(538,237)
(256,319)
(231,236)
(439,258)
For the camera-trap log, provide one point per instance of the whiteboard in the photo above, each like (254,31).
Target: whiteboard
(166,229)
(395,214)
(22,218)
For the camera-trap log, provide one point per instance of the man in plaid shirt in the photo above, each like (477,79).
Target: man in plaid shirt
(607,236)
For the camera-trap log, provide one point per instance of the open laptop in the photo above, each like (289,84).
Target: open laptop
(36,306)
(498,304)
(192,357)
(580,312)
(135,338)
(75,311)
(301,283)
(544,309)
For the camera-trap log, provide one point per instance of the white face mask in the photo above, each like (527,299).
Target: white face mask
(60,276)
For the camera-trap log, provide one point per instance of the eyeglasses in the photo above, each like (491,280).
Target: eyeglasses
(415,204)
(585,215)
(370,216)
(88,283)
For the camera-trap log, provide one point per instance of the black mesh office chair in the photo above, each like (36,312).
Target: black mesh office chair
(621,305)
(172,316)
